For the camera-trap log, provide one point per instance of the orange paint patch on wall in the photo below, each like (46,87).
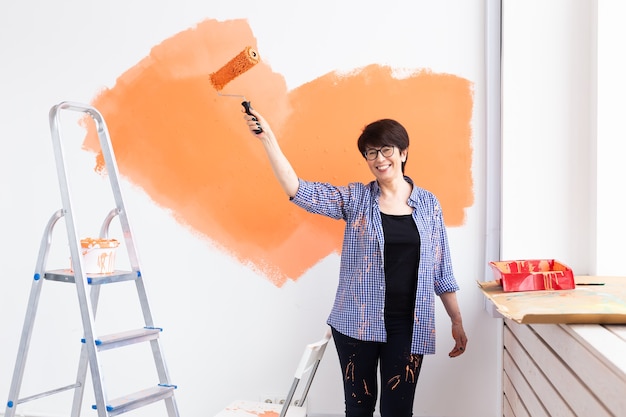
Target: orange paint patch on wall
(190,150)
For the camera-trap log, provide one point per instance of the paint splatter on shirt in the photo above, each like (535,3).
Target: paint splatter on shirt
(358,310)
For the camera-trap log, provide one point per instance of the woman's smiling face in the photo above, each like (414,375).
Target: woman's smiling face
(384,145)
(385,162)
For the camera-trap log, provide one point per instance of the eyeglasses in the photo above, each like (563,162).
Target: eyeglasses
(372,153)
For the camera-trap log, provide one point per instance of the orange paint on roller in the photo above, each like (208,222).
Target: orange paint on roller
(241,63)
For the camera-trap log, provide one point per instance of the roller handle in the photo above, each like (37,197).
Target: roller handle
(247,106)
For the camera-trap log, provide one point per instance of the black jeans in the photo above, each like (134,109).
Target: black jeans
(399,371)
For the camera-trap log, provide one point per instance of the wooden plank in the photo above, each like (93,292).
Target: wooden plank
(524,391)
(551,399)
(507,411)
(574,392)
(596,355)
(618,329)
(604,303)
(512,402)
(606,346)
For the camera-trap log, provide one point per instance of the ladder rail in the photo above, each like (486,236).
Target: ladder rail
(113,174)
(73,240)
(111,168)
(104,229)
(134,258)
(83,361)
(29,318)
(121,213)
(155,345)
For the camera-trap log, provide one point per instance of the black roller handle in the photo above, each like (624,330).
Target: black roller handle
(247,106)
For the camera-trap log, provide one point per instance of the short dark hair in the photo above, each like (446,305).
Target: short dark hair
(384,132)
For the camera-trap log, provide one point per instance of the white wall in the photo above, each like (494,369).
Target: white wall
(239,337)
(548,131)
(611,139)
(563,133)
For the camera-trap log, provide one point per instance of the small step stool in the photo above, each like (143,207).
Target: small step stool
(92,345)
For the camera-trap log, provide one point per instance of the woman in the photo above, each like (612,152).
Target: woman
(395,259)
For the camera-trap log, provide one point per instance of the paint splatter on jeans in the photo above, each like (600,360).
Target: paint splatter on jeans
(399,372)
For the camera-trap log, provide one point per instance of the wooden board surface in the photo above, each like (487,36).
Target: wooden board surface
(588,303)
(573,369)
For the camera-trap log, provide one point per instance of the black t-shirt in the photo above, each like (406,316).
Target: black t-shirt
(402,248)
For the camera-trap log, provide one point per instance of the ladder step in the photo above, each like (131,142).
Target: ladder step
(138,399)
(129,337)
(66,275)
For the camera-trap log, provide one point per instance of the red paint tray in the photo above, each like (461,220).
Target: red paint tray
(533,274)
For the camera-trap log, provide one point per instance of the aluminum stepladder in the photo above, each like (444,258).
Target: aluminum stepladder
(92,344)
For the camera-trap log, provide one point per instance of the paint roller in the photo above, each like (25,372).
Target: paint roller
(241,63)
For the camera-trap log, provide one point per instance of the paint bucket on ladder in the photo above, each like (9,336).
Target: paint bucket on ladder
(99,255)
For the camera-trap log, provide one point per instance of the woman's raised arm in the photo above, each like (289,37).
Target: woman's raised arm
(281,166)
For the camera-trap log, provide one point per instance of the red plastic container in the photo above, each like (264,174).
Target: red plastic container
(533,274)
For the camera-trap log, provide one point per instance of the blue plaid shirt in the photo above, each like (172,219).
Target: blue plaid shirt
(358,310)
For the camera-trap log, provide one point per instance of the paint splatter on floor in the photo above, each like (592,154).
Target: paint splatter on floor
(244,408)
(189,149)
